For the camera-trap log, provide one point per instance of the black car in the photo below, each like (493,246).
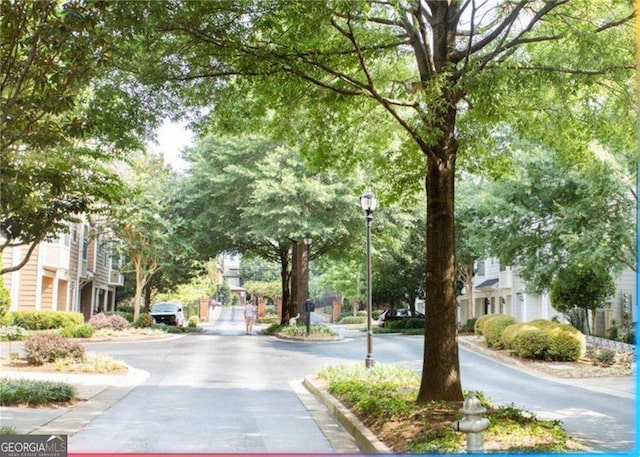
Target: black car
(396,315)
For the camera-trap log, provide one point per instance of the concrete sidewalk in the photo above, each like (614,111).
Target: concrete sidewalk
(96,394)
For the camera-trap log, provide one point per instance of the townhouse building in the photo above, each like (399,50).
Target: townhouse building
(75,272)
(499,289)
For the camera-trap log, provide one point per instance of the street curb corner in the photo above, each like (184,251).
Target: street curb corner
(364,438)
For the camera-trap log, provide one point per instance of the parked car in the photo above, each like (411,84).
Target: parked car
(396,315)
(168,313)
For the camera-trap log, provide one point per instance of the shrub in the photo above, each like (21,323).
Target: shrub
(509,334)
(113,321)
(493,330)
(145,320)
(193,321)
(12,333)
(395,325)
(43,348)
(78,331)
(414,322)
(605,357)
(565,346)
(34,393)
(353,320)
(375,314)
(469,326)
(268,320)
(532,344)
(5,298)
(118,322)
(480,323)
(46,320)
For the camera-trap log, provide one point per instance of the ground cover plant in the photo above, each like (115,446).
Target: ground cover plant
(384,398)
(316,331)
(34,393)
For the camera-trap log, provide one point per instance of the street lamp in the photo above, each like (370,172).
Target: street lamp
(368,203)
(307,303)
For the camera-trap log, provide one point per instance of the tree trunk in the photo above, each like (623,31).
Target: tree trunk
(440,372)
(285,277)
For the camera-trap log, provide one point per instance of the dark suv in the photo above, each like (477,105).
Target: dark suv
(396,315)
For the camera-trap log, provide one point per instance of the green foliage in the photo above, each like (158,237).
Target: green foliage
(78,331)
(8,430)
(481,322)
(5,298)
(532,344)
(15,392)
(46,320)
(414,323)
(193,321)
(353,320)
(144,321)
(12,333)
(47,348)
(605,357)
(586,287)
(552,214)
(469,326)
(509,334)
(271,289)
(493,329)
(566,346)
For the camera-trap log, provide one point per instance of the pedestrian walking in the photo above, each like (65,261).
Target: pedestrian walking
(249,316)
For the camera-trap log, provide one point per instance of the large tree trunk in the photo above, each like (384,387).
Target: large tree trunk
(440,371)
(285,277)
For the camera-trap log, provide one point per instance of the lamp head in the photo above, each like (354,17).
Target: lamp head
(368,201)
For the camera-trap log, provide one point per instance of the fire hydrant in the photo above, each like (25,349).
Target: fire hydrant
(472,424)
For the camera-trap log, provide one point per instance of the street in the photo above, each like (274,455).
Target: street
(222,391)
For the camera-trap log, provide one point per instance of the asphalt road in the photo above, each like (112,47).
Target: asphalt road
(222,391)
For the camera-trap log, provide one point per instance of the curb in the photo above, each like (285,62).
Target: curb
(365,439)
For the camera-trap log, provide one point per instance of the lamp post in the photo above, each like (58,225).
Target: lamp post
(368,203)
(307,306)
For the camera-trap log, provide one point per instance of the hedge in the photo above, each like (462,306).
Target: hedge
(509,334)
(532,343)
(45,320)
(482,320)
(493,330)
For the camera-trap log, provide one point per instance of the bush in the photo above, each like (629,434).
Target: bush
(114,321)
(480,323)
(395,325)
(414,322)
(605,358)
(509,334)
(46,320)
(268,320)
(193,321)
(5,298)
(34,393)
(78,331)
(469,326)
(12,333)
(565,346)
(532,344)
(41,349)
(493,330)
(145,320)
(353,320)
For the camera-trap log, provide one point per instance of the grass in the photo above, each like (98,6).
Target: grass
(92,363)
(34,393)
(384,398)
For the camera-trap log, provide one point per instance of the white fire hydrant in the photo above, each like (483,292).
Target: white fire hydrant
(472,424)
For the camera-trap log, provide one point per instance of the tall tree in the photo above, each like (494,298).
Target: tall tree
(427,66)
(144,226)
(252,196)
(549,214)
(61,121)
(580,290)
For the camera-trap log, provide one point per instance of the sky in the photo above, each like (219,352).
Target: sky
(172,137)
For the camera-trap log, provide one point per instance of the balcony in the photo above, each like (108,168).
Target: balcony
(505,280)
(116,278)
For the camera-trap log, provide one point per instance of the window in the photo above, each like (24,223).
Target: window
(480,269)
(74,232)
(85,243)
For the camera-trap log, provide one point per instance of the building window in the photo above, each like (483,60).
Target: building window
(480,269)
(74,232)
(85,244)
